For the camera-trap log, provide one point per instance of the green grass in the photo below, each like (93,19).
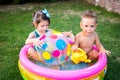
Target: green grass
(16,24)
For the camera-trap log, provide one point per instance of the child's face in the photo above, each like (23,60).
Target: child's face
(88,26)
(43,26)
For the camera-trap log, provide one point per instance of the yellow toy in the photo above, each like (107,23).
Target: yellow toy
(79,56)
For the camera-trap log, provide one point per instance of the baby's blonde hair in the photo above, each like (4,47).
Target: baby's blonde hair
(89,14)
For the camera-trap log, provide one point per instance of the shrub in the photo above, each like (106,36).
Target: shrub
(5,1)
(23,1)
(20,1)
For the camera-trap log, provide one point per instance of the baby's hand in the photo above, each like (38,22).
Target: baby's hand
(105,51)
(74,48)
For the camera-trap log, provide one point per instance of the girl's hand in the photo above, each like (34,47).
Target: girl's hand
(69,34)
(37,42)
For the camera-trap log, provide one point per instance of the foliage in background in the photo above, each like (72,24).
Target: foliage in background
(23,1)
(5,1)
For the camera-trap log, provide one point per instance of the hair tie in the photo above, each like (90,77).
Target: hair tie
(46,13)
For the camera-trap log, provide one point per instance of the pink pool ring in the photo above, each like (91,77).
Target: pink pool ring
(32,71)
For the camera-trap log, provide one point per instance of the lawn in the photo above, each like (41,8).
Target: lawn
(16,24)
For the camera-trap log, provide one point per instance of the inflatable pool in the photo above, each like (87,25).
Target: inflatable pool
(31,71)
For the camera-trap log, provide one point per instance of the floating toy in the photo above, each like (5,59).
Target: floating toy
(54,48)
(79,56)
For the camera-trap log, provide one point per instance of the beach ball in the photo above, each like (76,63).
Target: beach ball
(55,48)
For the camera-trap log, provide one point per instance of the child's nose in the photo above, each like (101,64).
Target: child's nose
(45,27)
(89,28)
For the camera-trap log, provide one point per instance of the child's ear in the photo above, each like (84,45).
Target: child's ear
(81,24)
(96,24)
(35,24)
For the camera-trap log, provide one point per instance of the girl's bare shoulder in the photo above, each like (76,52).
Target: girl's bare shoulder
(32,34)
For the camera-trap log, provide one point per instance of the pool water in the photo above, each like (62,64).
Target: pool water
(67,65)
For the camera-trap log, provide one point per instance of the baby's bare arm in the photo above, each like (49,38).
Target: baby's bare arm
(100,46)
(76,44)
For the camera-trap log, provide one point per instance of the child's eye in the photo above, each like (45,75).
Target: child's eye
(92,25)
(86,25)
(42,26)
